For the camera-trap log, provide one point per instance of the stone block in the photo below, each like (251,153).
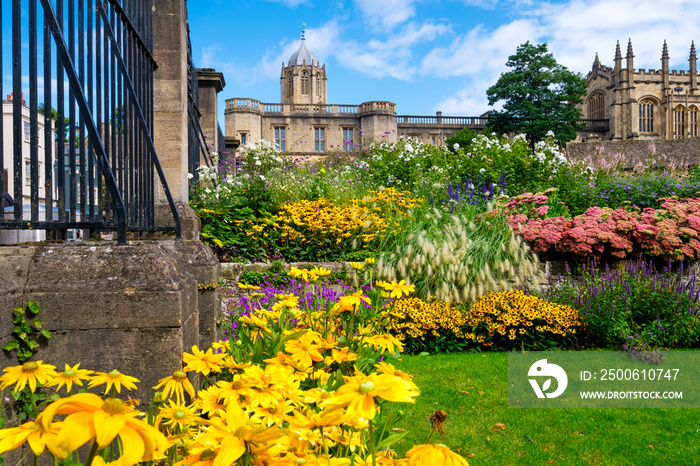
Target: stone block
(130,286)
(100,350)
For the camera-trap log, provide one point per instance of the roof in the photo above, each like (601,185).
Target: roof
(303,55)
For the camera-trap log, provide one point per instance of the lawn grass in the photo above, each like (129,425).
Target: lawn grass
(472,389)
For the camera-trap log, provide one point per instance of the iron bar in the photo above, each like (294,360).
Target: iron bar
(103,172)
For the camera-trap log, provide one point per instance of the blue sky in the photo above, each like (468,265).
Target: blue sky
(425,55)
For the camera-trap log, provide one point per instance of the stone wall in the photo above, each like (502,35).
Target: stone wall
(667,153)
(134,308)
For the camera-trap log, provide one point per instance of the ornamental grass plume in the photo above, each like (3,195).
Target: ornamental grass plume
(447,256)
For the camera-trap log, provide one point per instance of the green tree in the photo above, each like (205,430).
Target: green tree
(539,95)
(462,138)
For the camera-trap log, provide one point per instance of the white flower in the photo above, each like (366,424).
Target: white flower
(482,170)
(190,176)
(456,146)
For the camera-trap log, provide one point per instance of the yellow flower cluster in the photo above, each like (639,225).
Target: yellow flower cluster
(514,315)
(302,385)
(414,318)
(323,222)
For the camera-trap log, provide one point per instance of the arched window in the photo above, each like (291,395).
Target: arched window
(596,106)
(290,84)
(304,83)
(318,84)
(693,122)
(679,122)
(646,116)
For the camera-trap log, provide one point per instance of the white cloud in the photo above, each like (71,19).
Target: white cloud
(479,51)
(574,31)
(321,41)
(393,57)
(386,13)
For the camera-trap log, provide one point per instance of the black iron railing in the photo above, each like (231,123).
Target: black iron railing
(198,148)
(81,152)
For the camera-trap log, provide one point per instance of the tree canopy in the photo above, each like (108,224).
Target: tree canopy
(539,95)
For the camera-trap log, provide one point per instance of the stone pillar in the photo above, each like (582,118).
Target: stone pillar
(170,131)
(210,83)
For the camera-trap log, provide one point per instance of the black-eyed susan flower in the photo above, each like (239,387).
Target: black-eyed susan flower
(30,373)
(384,342)
(304,350)
(70,376)
(430,455)
(177,414)
(92,419)
(398,289)
(36,435)
(359,392)
(178,384)
(114,378)
(357,265)
(243,286)
(203,362)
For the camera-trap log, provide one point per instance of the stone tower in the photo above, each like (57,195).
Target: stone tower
(303,79)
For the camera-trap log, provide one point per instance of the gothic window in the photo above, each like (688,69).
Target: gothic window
(318,84)
(693,121)
(290,84)
(304,83)
(646,116)
(596,106)
(679,122)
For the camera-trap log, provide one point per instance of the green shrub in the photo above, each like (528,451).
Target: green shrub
(636,302)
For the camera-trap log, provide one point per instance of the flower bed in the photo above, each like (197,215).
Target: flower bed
(668,232)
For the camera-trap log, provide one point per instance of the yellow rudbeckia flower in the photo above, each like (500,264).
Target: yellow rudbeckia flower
(115,378)
(38,438)
(203,362)
(429,455)
(28,373)
(92,419)
(178,384)
(359,392)
(397,289)
(70,376)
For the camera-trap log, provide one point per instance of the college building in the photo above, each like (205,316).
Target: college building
(304,122)
(624,103)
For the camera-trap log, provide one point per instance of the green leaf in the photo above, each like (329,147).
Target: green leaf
(32,344)
(45,333)
(19,310)
(33,307)
(37,324)
(390,440)
(11,345)
(424,353)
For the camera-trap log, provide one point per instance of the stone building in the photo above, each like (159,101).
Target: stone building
(624,103)
(303,122)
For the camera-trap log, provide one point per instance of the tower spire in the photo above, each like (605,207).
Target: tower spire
(303,30)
